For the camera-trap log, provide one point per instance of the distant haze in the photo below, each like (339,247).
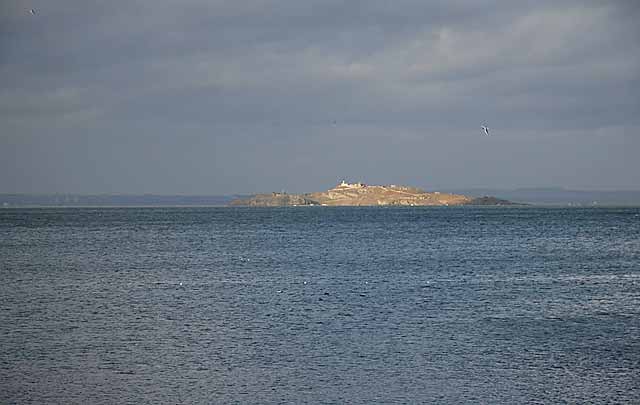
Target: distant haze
(234,97)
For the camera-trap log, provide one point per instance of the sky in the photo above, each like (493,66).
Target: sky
(232,97)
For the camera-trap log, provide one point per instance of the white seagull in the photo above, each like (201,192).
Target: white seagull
(485,129)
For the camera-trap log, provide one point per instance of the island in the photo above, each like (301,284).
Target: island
(359,194)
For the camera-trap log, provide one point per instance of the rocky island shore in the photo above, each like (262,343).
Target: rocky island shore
(358,194)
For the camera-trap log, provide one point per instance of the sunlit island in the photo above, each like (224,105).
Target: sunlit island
(359,194)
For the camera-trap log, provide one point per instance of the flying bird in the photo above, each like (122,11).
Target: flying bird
(485,129)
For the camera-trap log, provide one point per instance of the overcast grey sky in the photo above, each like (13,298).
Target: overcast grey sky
(220,97)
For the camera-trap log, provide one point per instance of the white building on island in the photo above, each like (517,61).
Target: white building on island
(344,184)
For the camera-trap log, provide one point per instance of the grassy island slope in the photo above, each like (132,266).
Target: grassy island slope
(358,194)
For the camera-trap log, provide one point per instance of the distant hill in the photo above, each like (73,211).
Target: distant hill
(358,194)
(67,200)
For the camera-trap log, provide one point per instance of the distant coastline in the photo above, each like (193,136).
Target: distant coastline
(531,196)
(113,200)
(557,196)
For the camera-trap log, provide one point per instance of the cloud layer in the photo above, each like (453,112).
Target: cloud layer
(216,97)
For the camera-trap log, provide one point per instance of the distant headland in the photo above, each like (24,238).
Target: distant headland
(477,196)
(359,194)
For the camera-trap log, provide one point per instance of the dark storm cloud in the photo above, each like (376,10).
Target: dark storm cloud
(258,85)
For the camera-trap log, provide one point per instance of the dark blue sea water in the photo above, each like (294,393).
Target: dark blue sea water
(320,305)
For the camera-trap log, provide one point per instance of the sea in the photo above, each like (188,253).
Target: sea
(321,305)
